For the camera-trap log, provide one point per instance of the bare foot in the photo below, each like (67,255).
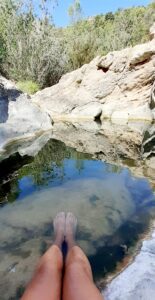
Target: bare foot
(59,229)
(71,227)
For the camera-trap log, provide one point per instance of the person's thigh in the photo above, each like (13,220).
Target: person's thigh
(78,281)
(47,280)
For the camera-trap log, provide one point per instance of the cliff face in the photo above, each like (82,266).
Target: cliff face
(118,86)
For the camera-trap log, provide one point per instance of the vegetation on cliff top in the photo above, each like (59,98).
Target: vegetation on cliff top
(33,49)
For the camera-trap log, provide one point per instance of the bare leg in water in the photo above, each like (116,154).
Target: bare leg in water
(78,280)
(77,283)
(46,283)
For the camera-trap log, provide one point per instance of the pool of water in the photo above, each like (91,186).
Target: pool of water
(113,208)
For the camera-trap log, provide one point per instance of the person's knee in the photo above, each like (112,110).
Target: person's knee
(76,255)
(78,268)
(74,267)
(51,260)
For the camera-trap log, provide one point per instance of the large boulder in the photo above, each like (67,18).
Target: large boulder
(19,117)
(116,86)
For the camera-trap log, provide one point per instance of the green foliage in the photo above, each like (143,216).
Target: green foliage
(109,16)
(80,44)
(48,164)
(2,50)
(28,87)
(33,49)
(75,11)
(110,32)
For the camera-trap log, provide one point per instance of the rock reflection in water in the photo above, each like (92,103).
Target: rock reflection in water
(112,207)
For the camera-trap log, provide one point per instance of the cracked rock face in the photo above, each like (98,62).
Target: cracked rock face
(117,86)
(19,117)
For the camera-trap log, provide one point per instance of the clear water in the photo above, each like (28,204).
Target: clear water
(113,209)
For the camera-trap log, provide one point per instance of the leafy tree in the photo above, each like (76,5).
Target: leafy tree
(80,44)
(2,53)
(75,11)
(32,49)
(109,16)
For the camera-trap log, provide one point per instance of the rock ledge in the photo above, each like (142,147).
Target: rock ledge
(118,86)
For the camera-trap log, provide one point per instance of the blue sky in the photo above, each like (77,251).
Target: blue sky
(91,8)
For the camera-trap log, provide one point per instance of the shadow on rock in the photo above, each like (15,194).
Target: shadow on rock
(6,95)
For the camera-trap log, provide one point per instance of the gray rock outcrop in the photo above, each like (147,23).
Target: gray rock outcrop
(3,105)
(118,86)
(138,280)
(19,117)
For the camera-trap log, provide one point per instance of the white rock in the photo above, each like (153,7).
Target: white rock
(137,282)
(119,83)
(19,116)
(142,53)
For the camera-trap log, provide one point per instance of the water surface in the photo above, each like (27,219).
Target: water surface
(113,209)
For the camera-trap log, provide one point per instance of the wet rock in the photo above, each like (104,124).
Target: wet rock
(138,280)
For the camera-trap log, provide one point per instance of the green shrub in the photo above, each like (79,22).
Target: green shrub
(33,49)
(28,87)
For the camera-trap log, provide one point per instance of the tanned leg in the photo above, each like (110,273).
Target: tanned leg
(78,280)
(47,281)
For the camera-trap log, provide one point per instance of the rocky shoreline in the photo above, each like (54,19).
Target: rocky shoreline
(122,146)
(116,144)
(140,274)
